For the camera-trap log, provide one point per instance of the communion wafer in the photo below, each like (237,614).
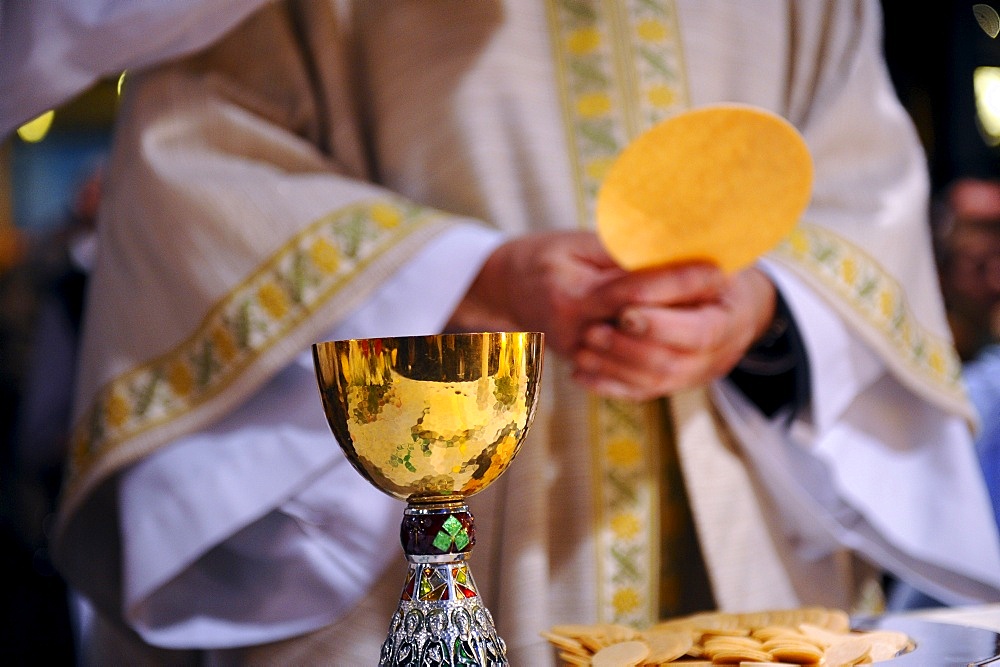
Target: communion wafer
(574,659)
(666,646)
(624,654)
(566,644)
(795,651)
(885,644)
(720,183)
(847,653)
(735,656)
(725,642)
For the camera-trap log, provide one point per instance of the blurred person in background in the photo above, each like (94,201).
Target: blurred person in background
(969,238)
(969,231)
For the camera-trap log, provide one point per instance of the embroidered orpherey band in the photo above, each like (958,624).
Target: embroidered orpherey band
(281,294)
(620,71)
(874,294)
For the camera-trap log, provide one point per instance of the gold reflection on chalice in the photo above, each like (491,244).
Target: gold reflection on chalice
(432,420)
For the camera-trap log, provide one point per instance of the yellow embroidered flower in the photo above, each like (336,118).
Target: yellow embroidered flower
(624,452)
(598,168)
(386,216)
(224,343)
(906,333)
(180,378)
(625,525)
(116,410)
(799,242)
(273,299)
(582,42)
(651,30)
(886,303)
(325,255)
(593,105)
(848,270)
(661,96)
(936,361)
(626,600)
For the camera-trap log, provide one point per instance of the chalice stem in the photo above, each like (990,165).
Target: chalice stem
(441,618)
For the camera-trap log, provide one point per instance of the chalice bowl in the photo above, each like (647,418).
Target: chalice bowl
(432,420)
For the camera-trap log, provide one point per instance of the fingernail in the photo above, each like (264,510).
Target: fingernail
(633,322)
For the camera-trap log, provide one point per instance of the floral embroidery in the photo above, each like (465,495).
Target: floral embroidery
(325,256)
(875,294)
(285,290)
(626,525)
(611,93)
(626,600)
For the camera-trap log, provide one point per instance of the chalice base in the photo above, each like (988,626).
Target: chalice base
(441,618)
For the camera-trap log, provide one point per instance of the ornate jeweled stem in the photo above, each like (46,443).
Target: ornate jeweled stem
(440,620)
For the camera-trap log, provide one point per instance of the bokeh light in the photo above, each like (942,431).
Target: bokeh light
(35,130)
(986,83)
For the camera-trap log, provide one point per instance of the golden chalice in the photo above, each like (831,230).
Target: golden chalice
(432,420)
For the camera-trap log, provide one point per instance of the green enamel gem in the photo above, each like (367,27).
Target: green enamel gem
(442,541)
(452,525)
(462,539)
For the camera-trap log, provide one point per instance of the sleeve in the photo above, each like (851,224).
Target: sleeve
(262,506)
(871,466)
(54,49)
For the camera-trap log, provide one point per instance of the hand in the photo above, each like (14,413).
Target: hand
(682,327)
(541,282)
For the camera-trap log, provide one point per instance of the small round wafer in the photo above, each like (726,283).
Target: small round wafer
(566,644)
(666,646)
(622,654)
(847,652)
(736,656)
(797,651)
(574,659)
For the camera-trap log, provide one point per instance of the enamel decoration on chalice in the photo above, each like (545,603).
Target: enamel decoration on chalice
(432,420)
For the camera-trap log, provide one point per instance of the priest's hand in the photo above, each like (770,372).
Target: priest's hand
(542,282)
(678,328)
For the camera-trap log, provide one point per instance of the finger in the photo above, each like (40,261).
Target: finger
(611,355)
(589,248)
(614,389)
(676,285)
(633,387)
(683,329)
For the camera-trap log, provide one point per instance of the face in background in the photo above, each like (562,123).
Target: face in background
(970,263)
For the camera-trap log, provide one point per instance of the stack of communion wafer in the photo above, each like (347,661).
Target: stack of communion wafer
(808,636)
